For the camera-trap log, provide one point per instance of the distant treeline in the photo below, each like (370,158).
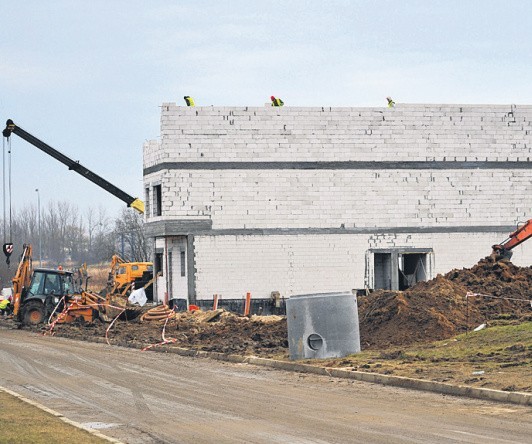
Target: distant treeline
(69,236)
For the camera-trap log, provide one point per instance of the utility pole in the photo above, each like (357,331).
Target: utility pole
(39,219)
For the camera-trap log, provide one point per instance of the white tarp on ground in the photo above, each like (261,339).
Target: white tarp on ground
(6,293)
(138,297)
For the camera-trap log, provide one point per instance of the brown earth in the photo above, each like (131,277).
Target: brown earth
(429,311)
(439,309)
(228,333)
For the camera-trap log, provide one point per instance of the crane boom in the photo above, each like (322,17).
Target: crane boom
(131,201)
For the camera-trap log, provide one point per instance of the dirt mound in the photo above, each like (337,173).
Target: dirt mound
(439,309)
(227,333)
(429,311)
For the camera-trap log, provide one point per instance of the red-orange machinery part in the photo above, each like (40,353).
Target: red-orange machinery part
(523,233)
(77,310)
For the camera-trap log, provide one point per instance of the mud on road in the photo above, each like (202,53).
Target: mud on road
(145,397)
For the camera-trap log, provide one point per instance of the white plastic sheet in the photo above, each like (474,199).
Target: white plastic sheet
(138,297)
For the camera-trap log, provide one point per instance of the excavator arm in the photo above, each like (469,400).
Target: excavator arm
(133,202)
(503,250)
(22,277)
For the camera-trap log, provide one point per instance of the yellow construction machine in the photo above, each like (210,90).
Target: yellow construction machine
(125,276)
(39,293)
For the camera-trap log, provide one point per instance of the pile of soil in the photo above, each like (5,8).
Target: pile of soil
(228,333)
(429,311)
(439,309)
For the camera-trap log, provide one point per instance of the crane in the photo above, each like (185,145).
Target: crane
(132,202)
(503,250)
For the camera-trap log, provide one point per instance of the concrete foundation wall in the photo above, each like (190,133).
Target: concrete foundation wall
(300,264)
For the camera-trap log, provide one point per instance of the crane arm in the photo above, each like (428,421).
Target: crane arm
(133,202)
(523,233)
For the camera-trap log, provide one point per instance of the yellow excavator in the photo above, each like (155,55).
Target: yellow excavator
(125,276)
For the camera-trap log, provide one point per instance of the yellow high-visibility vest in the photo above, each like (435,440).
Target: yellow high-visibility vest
(4,303)
(190,101)
(277,102)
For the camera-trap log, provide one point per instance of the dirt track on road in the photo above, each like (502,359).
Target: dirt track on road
(142,397)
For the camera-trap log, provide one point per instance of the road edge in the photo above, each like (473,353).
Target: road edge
(60,416)
(519,398)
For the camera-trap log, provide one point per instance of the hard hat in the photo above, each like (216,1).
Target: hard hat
(272,98)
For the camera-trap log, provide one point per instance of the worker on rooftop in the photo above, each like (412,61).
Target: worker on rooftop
(189,101)
(276,102)
(391,103)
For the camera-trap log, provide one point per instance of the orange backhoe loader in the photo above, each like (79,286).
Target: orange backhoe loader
(503,250)
(40,292)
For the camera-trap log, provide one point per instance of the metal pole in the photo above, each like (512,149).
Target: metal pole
(39,219)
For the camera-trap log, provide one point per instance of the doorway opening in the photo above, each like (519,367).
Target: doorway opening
(401,268)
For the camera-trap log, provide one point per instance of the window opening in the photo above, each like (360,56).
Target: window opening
(159,263)
(147,204)
(157,196)
(183,268)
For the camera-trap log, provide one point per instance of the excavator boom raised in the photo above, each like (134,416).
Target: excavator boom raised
(523,233)
(73,165)
(22,277)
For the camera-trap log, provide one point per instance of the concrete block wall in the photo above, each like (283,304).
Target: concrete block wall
(405,133)
(347,198)
(233,265)
(297,196)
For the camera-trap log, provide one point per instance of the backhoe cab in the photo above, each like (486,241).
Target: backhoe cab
(38,293)
(48,289)
(125,276)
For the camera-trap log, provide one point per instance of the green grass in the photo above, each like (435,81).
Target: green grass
(498,357)
(24,423)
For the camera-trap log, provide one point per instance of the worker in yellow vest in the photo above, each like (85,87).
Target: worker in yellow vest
(276,102)
(391,103)
(189,101)
(5,306)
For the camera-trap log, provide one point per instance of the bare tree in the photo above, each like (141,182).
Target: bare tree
(67,235)
(129,229)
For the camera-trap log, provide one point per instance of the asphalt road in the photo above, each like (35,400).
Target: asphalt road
(146,397)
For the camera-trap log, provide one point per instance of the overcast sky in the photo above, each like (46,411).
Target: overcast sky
(88,77)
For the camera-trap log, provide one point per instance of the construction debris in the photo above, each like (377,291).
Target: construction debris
(433,310)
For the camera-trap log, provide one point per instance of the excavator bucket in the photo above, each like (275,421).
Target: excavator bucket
(500,253)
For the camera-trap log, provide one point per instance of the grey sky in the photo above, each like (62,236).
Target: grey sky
(88,77)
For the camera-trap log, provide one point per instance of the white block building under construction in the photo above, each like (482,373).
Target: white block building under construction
(306,200)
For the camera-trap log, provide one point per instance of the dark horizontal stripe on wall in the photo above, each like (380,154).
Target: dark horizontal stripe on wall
(175,228)
(342,165)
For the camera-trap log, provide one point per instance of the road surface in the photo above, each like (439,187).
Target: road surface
(147,397)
